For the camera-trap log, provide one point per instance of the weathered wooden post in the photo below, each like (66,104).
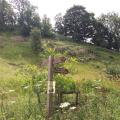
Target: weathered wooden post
(50,88)
(51,84)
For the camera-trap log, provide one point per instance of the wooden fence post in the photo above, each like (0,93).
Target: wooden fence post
(50,88)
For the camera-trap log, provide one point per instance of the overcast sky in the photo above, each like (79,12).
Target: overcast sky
(53,7)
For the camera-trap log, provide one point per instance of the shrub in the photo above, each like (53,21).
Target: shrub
(36,40)
(64,83)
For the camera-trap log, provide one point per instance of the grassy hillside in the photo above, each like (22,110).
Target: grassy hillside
(16,51)
(87,64)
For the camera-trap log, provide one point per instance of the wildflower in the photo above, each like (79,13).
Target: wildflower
(26,87)
(65,104)
(11,91)
(98,87)
(72,108)
(57,110)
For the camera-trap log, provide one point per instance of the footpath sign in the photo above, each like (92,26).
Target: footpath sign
(51,62)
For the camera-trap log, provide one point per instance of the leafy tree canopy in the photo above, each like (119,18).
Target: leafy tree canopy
(7,16)
(78,23)
(112,22)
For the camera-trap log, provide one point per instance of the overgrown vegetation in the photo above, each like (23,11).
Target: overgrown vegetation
(23,82)
(98,99)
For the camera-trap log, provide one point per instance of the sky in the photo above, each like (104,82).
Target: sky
(53,7)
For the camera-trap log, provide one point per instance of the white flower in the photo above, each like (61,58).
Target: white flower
(26,87)
(72,108)
(11,91)
(65,104)
(98,87)
(57,110)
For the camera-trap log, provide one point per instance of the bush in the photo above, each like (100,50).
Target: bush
(64,83)
(36,40)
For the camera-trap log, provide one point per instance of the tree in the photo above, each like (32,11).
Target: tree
(78,23)
(46,27)
(102,36)
(27,16)
(7,16)
(81,25)
(28,21)
(59,26)
(36,40)
(112,22)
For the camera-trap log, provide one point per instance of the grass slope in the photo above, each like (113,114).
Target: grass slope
(15,51)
